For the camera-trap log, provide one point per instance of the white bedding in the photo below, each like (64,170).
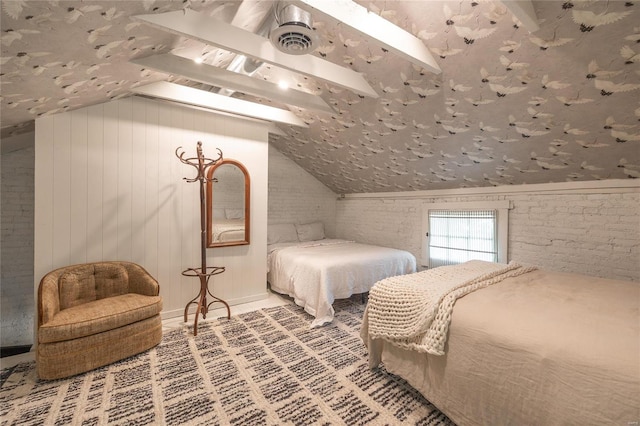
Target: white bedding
(316,273)
(228,230)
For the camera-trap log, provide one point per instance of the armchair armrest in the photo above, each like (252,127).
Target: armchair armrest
(48,297)
(141,281)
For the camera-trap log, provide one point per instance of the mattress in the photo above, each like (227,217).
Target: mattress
(316,273)
(543,348)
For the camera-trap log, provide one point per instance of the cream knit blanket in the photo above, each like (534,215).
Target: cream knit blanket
(413,311)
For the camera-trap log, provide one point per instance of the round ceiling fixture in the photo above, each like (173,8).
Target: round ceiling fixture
(294,34)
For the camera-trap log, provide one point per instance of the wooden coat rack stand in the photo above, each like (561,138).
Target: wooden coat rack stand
(204,272)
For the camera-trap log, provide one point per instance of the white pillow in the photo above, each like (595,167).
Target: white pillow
(310,231)
(282,233)
(234,213)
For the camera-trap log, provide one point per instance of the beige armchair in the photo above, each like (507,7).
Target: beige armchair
(94,314)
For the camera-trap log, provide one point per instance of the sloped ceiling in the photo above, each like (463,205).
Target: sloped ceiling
(510,106)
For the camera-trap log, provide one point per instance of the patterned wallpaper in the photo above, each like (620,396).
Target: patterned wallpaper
(510,107)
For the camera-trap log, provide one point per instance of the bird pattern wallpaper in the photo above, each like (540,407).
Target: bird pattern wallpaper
(510,106)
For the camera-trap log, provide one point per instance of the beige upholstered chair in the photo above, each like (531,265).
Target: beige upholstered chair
(94,314)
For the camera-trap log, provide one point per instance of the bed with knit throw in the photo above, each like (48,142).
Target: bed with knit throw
(496,344)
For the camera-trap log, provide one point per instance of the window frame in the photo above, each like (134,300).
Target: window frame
(502,211)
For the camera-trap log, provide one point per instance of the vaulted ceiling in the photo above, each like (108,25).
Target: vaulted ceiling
(510,106)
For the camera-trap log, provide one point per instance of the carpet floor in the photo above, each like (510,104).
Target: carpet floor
(259,368)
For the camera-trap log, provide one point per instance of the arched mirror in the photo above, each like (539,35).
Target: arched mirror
(227,204)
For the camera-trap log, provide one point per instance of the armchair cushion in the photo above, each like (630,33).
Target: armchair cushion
(111,280)
(87,283)
(77,286)
(98,316)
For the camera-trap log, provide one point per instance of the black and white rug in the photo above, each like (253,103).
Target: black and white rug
(260,368)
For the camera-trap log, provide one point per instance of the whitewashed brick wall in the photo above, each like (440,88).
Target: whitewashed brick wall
(295,196)
(591,233)
(16,218)
(594,234)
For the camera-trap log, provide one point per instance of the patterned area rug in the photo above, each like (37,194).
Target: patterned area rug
(260,368)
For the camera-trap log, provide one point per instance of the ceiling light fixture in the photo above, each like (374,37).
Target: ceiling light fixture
(283,85)
(294,34)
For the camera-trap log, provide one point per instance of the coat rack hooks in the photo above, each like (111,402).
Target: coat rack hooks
(204,272)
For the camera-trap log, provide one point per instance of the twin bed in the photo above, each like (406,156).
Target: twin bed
(529,347)
(315,271)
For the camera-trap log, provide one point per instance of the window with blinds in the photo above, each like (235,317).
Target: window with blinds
(455,232)
(459,236)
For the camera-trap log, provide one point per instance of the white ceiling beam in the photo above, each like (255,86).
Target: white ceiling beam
(213,101)
(524,11)
(382,32)
(214,32)
(219,77)
(275,130)
(272,128)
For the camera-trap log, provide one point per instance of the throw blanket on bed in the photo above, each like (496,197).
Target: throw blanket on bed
(414,311)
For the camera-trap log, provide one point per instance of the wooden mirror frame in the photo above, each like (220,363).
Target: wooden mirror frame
(209,198)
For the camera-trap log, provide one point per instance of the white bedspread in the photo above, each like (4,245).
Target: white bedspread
(316,273)
(228,230)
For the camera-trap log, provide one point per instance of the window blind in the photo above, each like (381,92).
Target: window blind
(456,236)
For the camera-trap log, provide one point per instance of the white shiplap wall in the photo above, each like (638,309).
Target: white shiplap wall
(108,186)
